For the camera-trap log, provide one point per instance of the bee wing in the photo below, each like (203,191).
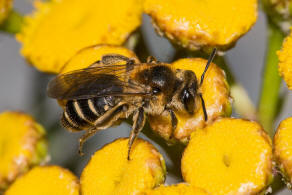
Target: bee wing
(93,82)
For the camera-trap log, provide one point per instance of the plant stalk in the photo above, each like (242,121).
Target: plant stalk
(13,23)
(271,81)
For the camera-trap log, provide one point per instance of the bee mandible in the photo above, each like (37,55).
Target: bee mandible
(116,87)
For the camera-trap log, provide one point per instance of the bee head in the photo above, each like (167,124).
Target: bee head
(186,94)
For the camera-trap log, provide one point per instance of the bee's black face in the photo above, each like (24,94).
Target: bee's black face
(187,91)
(187,97)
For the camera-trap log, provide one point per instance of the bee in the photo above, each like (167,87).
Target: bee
(116,87)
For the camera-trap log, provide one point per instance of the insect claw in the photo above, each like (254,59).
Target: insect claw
(129,151)
(80,152)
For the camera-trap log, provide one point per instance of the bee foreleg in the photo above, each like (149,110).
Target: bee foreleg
(173,122)
(139,122)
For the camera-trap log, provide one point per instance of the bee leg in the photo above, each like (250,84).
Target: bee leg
(139,122)
(95,64)
(85,137)
(173,122)
(204,107)
(116,59)
(151,59)
(105,123)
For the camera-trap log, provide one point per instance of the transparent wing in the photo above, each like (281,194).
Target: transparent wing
(94,81)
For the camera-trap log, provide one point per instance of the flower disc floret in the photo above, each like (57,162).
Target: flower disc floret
(202,24)
(57,29)
(231,156)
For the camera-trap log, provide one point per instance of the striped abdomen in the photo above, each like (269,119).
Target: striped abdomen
(81,114)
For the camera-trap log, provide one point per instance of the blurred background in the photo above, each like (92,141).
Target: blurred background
(24,88)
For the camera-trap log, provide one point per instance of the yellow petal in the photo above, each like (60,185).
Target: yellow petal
(47,180)
(283,148)
(199,24)
(109,171)
(22,145)
(57,29)
(231,156)
(216,95)
(285,61)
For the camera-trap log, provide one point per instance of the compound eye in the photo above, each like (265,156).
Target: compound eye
(156,90)
(188,101)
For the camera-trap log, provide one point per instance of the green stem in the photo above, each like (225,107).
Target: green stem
(269,99)
(13,23)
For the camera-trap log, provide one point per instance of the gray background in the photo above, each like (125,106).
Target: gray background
(22,86)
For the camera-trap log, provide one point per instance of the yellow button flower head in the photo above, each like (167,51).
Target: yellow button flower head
(285,61)
(279,12)
(216,95)
(89,55)
(59,28)
(231,156)
(47,180)
(201,24)
(22,145)
(109,171)
(5,6)
(283,149)
(178,189)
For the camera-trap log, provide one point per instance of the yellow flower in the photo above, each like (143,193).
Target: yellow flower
(46,180)
(231,156)
(5,6)
(216,95)
(283,148)
(178,189)
(202,24)
(285,61)
(22,145)
(109,171)
(279,12)
(89,55)
(59,28)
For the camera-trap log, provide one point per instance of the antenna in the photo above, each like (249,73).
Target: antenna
(208,64)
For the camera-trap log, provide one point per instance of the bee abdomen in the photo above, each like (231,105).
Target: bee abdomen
(89,113)
(100,105)
(73,117)
(82,114)
(68,124)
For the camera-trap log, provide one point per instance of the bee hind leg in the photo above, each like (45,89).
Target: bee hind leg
(106,121)
(85,137)
(139,122)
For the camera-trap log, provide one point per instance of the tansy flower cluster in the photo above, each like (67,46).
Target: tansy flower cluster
(206,168)
(221,154)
